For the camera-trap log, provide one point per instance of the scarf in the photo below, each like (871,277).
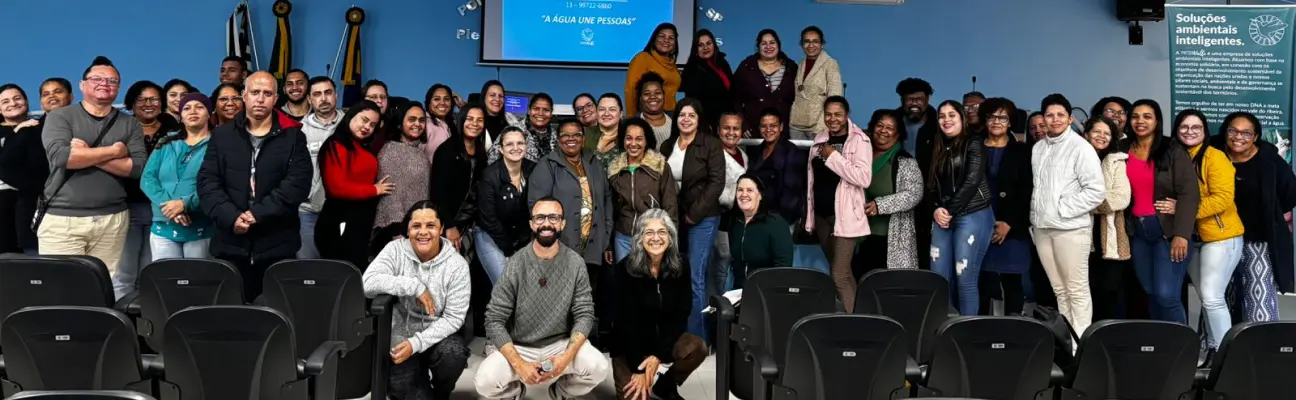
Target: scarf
(711,63)
(883,159)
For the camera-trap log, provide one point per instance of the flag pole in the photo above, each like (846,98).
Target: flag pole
(341,44)
(247,9)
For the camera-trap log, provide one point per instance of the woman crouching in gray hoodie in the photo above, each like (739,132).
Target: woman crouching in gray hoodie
(430,280)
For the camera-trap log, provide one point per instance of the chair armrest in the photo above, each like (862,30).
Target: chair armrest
(764,361)
(129,304)
(1057,377)
(321,367)
(725,311)
(382,304)
(153,364)
(914,373)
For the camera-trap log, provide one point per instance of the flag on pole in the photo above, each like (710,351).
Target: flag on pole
(351,66)
(237,35)
(281,59)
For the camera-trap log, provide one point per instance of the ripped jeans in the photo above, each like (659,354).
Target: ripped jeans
(957,252)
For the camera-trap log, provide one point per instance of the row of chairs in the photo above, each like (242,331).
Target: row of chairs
(312,334)
(790,342)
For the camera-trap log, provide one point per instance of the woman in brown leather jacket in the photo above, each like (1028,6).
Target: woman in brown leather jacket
(640,181)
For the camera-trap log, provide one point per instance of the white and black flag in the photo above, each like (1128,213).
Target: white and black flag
(238,36)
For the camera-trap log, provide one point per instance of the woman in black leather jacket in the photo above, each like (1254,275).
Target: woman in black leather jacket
(960,195)
(503,218)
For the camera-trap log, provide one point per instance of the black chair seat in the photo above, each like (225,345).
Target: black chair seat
(1124,359)
(1255,361)
(840,357)
(70,348)
(918,299)
(991,357)
(168,286)
(30,281)
(243,352)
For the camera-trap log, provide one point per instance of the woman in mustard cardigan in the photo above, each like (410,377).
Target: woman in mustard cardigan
(657,56)
(1218,224)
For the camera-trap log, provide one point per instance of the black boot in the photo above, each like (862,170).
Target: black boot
(666,388)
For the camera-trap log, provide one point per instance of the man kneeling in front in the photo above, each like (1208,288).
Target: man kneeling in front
(539,316)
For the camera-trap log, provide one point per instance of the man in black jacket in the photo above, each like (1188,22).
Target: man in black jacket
(256,173)
(921,127)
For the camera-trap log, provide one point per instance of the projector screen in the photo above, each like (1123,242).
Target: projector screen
(578,33)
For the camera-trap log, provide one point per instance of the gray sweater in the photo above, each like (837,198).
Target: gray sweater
(397,271)
(90,191)
(538,302)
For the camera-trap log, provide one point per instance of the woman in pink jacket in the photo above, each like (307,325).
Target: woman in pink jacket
(840,168)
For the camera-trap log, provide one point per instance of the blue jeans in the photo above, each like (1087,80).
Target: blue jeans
(1211,270)
(492,258)
(164,248)
(308,250)
(135,254)
(966,241)
(700,239)
(621,246)
(1160,278)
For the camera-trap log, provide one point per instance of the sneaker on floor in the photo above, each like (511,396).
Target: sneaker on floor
(553,393)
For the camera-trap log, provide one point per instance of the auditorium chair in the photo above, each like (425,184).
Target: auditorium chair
(918,299)
(1127,359)
(325,301)
(773,299)
(1009,358)
(71,348)
(28,281)
(1255,361)
(81,395)
(242,352)
(838,357)
(167,286)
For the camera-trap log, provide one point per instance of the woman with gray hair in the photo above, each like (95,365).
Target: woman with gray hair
(654,300)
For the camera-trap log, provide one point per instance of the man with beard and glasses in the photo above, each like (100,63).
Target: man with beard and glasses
(317,126)
(294,89)
(539,315)
(921,129)
(256,174)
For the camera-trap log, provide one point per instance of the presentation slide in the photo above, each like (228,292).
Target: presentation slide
(578,32)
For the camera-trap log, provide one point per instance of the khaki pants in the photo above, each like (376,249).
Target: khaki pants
(101,236)
(1065,255)
(495,379)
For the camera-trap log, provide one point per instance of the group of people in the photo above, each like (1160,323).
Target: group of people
(609,230)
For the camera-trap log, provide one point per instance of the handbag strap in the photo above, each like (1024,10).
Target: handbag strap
(99,139)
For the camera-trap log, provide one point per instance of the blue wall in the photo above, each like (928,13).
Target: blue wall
(1019,49)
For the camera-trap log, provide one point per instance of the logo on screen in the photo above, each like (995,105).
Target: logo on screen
(587,37)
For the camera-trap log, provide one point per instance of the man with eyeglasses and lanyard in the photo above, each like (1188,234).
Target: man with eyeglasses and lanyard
(90,148)
(539,316)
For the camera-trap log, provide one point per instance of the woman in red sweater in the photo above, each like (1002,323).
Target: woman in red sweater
(349,170)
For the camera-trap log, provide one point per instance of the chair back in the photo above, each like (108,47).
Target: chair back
(845,357)
(1256,361)
(30,281)
(1125,359)
(168,286)
(918,299)
(231,352)
(325,301)
(991,357)
(69,348)
(773,300)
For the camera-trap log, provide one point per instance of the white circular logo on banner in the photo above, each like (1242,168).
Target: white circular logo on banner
(1267,30)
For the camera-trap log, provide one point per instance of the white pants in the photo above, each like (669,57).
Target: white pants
(496,380)
(1065,255)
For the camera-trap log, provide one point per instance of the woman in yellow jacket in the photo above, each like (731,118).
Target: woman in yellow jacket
(657,56)
(1218,224)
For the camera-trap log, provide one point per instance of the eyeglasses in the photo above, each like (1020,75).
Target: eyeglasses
(227,100)
(589,106)
(551,218)
(1113,113)
(148,100)
(1192,128)
(102,81)
(660,233)
(997,118)
(1240,134)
